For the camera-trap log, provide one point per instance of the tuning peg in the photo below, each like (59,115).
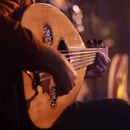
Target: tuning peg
(92,43)
(99,41)
(95,40)
(95,43)
(89,43)
(101,44)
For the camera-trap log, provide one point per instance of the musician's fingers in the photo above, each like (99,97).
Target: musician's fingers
(107,59)
(100,69)
(102,59)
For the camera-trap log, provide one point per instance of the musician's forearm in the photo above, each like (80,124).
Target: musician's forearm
(22,47)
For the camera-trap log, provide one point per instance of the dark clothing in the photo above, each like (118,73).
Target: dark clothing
(103,114)
(106,114)
(15,45)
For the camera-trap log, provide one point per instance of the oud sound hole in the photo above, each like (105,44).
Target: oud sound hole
(47,34)
(63,48)
(62,45)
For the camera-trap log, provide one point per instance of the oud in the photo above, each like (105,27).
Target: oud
(52,27)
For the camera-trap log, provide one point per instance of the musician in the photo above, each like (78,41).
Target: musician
(21,50)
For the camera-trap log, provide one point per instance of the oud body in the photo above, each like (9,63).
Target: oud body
(51,26)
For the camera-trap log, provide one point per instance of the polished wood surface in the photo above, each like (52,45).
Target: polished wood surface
(41,113)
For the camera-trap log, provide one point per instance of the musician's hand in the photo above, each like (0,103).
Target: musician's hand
(62,71)
(64,77)
(99,67)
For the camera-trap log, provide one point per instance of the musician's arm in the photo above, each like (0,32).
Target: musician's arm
(21,49)
(19,46)
(14,39)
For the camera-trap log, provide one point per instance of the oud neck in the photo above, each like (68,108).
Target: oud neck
(81,58)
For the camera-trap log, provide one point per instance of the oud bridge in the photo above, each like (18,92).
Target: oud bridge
(43,82)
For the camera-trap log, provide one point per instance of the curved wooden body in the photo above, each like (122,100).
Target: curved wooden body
(34,18)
